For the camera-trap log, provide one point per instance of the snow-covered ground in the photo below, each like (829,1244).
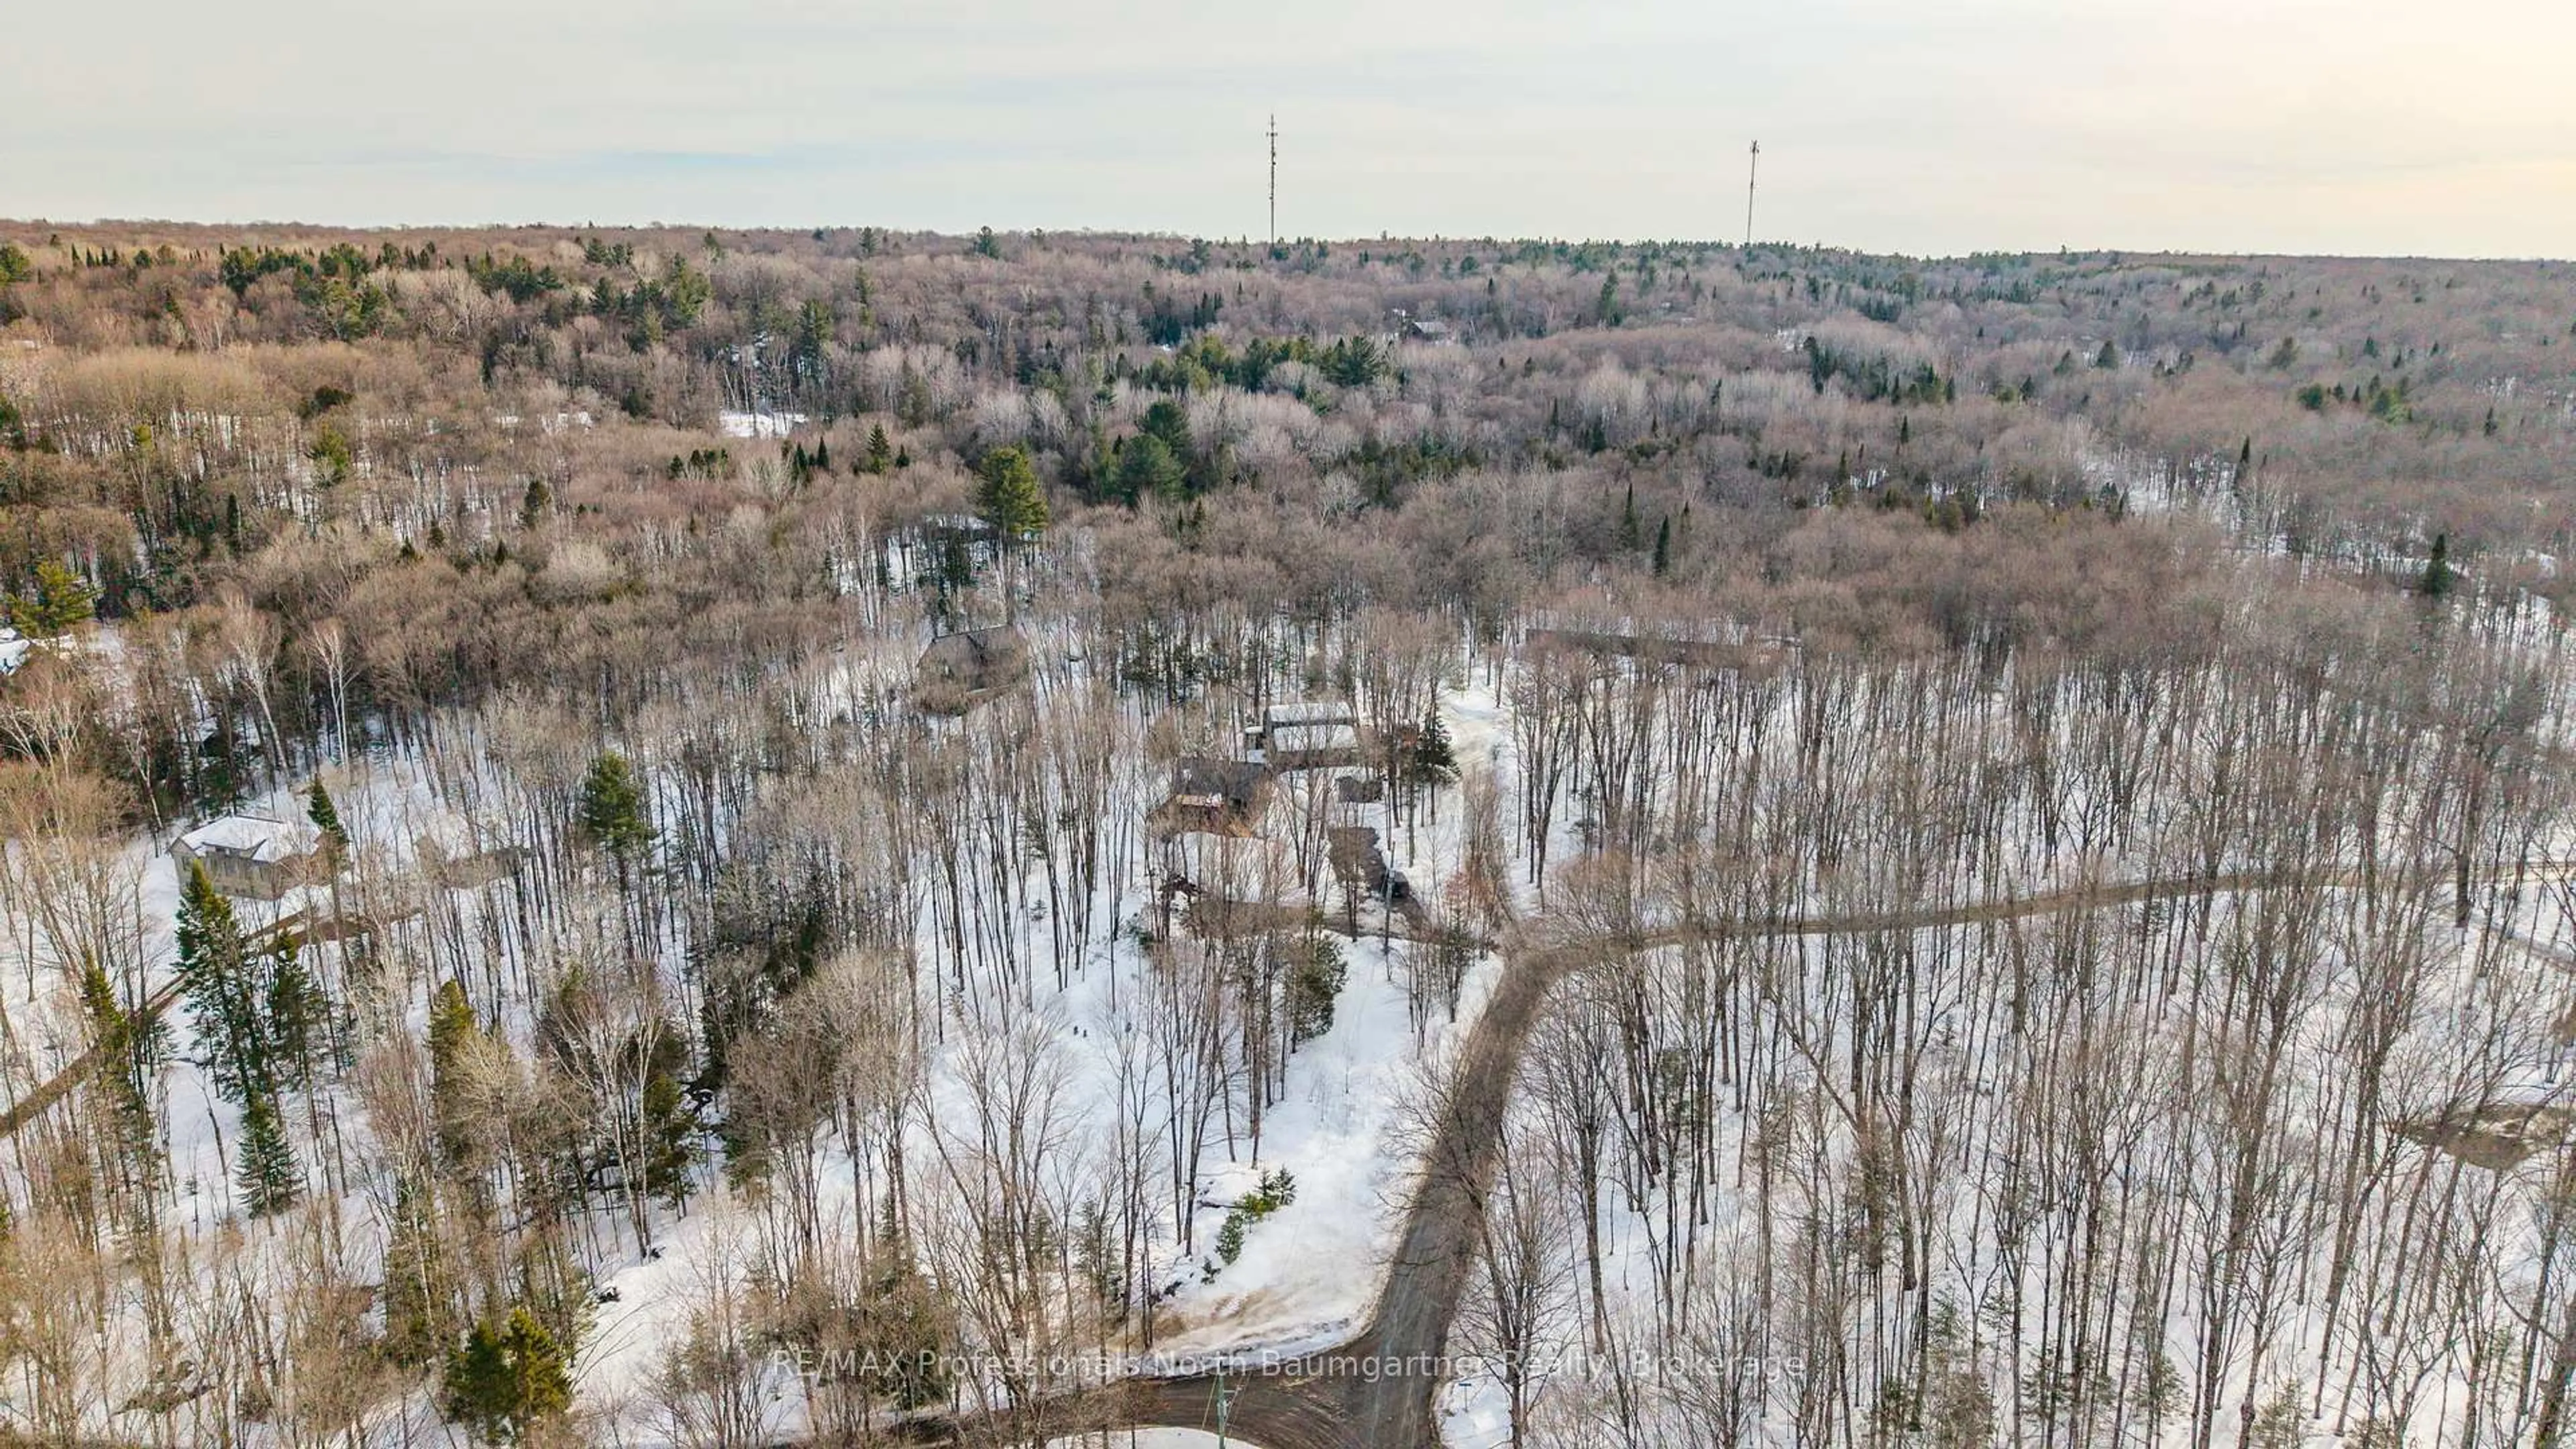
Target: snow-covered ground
(758,425)
(1310,1273)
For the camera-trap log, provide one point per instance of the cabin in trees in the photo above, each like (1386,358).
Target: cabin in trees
(252,855)
(961,670)
(1212,797)
(1307,735)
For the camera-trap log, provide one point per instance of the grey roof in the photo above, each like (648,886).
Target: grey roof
(978,654)
(1230,782)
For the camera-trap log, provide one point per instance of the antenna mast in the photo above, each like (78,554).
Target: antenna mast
(1751,169)
(1274,178)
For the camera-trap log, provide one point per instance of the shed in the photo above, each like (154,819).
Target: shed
(252,855)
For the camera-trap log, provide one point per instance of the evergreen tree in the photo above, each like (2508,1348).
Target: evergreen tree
(215,975)
(1146,468)
(1629,536)
(1664,547)
(670,1132)
(325,815)
(129,1043)
(612,812)
(1166,421)
(1315,980)
(532,506)
(1010,498)
(1435,760)
(901,1317)
(1353,362)
(62,599)
(452,1030)
(504,1381)
(540,1384)
(297,1013)
(267,1171)
(419,1313)
(880,449)
(956,564)
(2439,577)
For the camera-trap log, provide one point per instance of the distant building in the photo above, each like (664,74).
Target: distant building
(1308,735)
(959,671)
(252,855)
(1212,797)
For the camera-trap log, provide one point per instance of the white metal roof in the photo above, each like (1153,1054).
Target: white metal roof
(1307,712)
(1297,739)
(254,837)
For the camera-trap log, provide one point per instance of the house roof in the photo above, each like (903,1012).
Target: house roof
(1204,781)
(254,838)
(977,648)
(1303,739)
(1308,712)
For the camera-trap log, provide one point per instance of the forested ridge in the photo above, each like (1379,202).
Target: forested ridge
(2024,799)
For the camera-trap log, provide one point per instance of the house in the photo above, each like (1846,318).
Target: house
(252,855)
(959,671)
(1214,797)
(1309,735)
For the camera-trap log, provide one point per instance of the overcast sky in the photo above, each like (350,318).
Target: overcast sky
(1924,126)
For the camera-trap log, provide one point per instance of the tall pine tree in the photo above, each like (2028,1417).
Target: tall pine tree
(267,1170)
(506,1380)
(1009,498)
(2439,578)
(612,811)
(325,815)
(452,1031)
(224,997)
